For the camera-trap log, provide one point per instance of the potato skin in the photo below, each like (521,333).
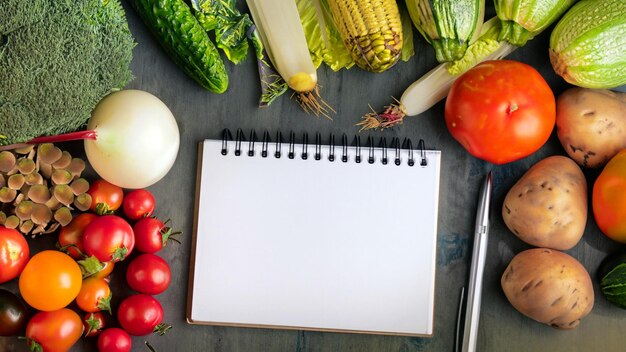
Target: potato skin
(591,124)
(547,207)
(548,286)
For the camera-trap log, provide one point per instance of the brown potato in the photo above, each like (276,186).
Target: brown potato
(548,286)
(547,207)
(591,124)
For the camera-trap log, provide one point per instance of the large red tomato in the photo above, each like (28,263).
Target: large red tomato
(14,254)
(609,198)
(501,111)
(54,331)
(109,238)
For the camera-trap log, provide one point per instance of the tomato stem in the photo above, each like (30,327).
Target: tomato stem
(161,329)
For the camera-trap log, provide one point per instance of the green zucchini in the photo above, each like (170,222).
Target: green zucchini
(612,273)
(185,41)
(587,46)
(449,26)
(522,20)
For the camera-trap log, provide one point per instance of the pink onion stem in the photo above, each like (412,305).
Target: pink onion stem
(66,137)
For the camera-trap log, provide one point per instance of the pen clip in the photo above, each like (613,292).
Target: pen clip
(459,322)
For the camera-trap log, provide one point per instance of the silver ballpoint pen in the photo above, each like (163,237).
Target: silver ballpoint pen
(479,256)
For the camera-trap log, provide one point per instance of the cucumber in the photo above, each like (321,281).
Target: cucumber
(587,46)
(184,40)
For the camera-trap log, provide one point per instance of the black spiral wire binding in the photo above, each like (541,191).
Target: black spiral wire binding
(371,159)
(422,147)
(383,146)
(279,141)
(305,146)
(251,143)
(238,139)
(396,145)
(226,136)
(318,146)
(357,142)
(266,142)
(408,145)
(344,153)
(292,145)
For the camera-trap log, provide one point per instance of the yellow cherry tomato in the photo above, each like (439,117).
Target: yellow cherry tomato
(50,281)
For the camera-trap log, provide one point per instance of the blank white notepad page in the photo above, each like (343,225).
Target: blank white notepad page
(314,244)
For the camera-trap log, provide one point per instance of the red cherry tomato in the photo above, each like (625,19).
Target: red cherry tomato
(55,331)
(148,273)
(109,238)
(501,111)
(151,235)
(138,204)
(94,296)
(105,197)
(14,254)
(140,314)
(94,323)
(71,236)
(114,340)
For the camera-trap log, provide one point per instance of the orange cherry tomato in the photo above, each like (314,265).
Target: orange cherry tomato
(105,271)
(609,198)
(55,331)
(50,281)
(94,296)
(105,197)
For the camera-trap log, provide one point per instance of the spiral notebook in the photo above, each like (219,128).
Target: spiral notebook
(298,235)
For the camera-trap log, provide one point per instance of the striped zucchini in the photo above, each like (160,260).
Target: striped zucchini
(588,45)
(449,26)
(522,20)
(184,40)
(371,31)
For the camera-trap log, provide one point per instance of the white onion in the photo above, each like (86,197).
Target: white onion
(137,139)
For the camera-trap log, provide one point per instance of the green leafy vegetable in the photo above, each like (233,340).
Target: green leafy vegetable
(229,24)
(232,31)
(58,59)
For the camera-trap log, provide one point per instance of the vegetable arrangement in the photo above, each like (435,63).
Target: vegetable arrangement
(59,285)
(494,43)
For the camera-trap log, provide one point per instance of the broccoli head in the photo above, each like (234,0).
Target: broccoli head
(58,59)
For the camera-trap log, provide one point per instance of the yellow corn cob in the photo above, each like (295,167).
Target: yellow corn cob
(371,30)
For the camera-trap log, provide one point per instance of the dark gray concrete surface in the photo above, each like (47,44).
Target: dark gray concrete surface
(201,114)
